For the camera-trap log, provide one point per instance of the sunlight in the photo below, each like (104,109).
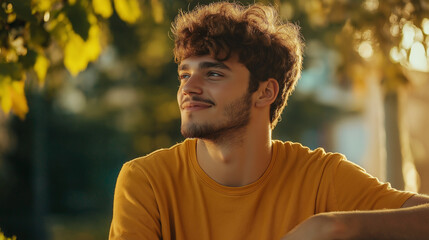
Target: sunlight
(411,177)
(398,55)
(394,30)
(425,26)
(418,60)
(46,16)
(371,5)
(418,37)
(411,50)
(408,33)
(365,49)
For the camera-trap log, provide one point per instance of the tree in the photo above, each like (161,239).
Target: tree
(40,33)
(385,38)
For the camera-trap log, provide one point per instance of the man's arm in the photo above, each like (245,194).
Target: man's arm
(409,222)
(135,212)
(415,200)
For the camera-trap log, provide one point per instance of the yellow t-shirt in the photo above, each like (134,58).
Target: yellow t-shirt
(166,195)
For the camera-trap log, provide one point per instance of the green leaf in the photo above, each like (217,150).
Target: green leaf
(14,70)
(29,59)
(78,19)
(22,8)
(39,35)
(3,16)
(3,37)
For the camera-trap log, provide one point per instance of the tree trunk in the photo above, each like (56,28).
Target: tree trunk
(394,151)
(39,168)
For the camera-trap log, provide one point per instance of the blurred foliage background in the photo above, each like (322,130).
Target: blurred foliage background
(87,85)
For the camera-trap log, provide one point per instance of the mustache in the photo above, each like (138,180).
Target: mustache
(198,99)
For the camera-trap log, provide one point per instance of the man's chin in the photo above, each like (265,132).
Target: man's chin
(189,133)
(186,134)
(196,131)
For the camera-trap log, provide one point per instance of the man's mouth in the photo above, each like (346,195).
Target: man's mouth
(195,104)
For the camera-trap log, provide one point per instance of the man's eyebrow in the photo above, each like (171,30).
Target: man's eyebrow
(203,65)
(216,64)
(183,67)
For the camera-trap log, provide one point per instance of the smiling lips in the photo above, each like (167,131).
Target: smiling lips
(194,105)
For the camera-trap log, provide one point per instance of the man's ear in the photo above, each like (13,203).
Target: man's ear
(267,92)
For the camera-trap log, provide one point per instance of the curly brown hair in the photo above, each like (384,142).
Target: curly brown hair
(268,47)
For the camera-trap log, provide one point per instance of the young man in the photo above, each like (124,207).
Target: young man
(229,179)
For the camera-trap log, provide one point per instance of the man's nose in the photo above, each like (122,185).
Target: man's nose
(193,85)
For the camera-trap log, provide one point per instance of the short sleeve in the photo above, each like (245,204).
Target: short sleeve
(355,189)
(135,212)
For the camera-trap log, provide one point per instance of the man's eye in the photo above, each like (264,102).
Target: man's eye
(214,74)
(183,76)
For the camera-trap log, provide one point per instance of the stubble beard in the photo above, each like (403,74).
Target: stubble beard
(238,117)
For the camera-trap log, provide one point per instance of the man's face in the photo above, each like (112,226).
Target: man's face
(213,97)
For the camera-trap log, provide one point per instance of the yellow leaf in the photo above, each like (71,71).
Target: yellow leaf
(74,58)
(92,45)
(12,96)
(42,5)
(19,102)
(41,67)
(78,53)
(3,237)
(128,10)
(102,7)
(5,96)
(157,11)
(60,27)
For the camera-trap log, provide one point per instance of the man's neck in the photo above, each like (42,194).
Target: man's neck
(236,162)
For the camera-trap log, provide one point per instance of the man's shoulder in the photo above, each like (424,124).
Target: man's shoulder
(163,156)
(306,164)
(301,152)
(298,147)
(166,153)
